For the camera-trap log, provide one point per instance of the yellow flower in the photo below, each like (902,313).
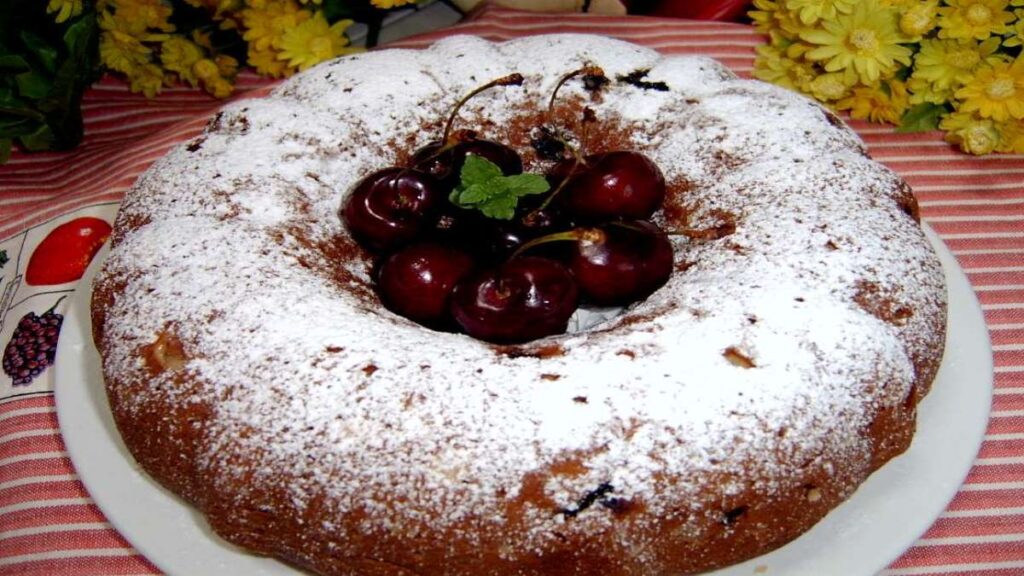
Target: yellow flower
(64,9)
(947,64)
(864,44)
(1011,137)
(978,19)
(972,134)
(1016,37)
(141,16)
(922,91)
(877,104)
(314,41)
(208,74)
(771,18)
(266,63)
(178,55)
(774,66)
(919,18)
(810,11)
(828,87)
(147,78)
(387,4)
(226,65)
(265,26)
(120,50)
(996,91)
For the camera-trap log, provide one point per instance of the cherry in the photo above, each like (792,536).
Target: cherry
(445,162)
(621,262)
(444,158)
(417,281)
(612,185)
(522,299)
(392,206)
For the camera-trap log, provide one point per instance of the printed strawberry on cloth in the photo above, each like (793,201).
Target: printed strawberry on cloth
(56,210)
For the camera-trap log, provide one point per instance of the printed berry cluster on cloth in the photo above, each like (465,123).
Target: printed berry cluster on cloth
(955,65)
(39,271)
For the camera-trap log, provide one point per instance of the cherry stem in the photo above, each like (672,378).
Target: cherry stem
(576,234)
(515,79)
(586,70)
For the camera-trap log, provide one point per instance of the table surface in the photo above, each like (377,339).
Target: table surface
(48,523)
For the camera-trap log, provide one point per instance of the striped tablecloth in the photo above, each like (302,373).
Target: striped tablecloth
(49,525)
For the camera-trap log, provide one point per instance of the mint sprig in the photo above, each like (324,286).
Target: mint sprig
(485,188)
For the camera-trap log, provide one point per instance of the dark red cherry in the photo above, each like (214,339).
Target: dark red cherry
(445,164)
(392,206)
(621,262)
(417,281)
(523,299)
(615,185)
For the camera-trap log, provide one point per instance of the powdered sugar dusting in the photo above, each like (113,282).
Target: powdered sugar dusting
(339,402)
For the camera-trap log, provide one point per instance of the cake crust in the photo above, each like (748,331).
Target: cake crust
(251,369)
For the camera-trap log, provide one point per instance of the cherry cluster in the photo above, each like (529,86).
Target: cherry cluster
(510,272)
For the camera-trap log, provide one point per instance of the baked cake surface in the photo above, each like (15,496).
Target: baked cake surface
(251,369)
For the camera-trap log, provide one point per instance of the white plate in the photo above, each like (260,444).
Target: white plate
(884,517)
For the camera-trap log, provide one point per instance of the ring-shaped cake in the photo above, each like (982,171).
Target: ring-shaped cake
(252,370)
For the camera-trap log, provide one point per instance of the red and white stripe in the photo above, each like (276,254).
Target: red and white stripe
(49,525)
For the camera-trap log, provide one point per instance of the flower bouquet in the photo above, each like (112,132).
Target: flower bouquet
(955,65)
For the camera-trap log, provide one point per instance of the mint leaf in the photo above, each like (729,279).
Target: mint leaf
(477,170)
(922,118)
(524,184)
(485,188)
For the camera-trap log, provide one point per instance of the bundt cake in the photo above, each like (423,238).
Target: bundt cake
(251,368)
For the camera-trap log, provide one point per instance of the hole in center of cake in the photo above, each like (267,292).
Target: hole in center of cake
(545,230)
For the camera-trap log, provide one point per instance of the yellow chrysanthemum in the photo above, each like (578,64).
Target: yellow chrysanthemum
(828,87)
(771,18)
(226,65)
(120,50)
(996,91)
(1016,37)
(972,134)
(810,11)
(178,54)
(864,44)
(147,78)
(922,91)
(978,19)
(774,66)
(947,64)
(1011,137)
(142,16)
(265,26)
(919,18)
(314,41)
(266,63)
(208,74)
(877,104)
(64,9)
(388,4)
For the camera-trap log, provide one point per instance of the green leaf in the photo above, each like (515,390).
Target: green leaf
(526,184)
(5,155)
(17,127)
(485,188)
(10,63)
(41,139)
(922,118)
(33,85)
(478,170)
(46,54)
